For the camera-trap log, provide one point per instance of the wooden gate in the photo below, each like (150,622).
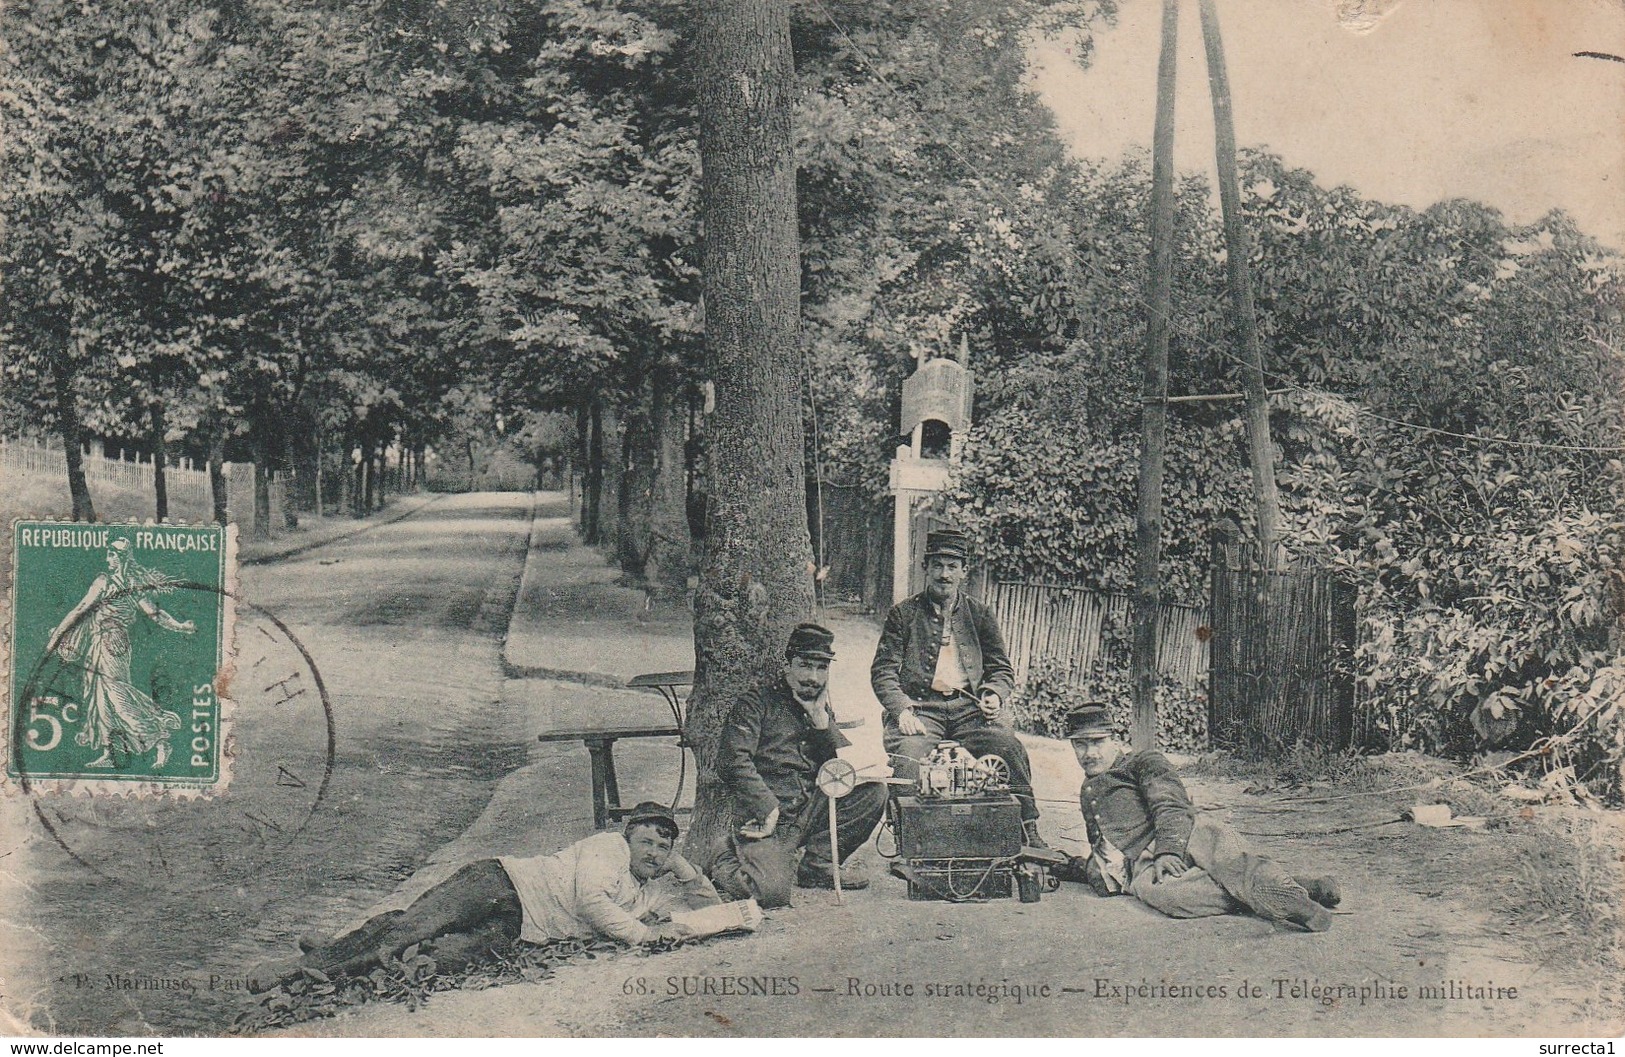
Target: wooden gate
(1281,655)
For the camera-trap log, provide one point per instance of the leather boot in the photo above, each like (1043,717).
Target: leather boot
(1286,900)
(1314,917)
(357,941)
(821,876)
(266,975)
(1030,835)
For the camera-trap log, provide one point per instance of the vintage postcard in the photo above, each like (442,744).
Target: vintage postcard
(1131,545)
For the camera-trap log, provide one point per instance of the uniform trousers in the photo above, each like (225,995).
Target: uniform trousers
(765,870)
(1224,876)
(963,722)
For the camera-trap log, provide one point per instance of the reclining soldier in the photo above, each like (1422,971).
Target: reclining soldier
(777,738)
(620,885)
(1147,840)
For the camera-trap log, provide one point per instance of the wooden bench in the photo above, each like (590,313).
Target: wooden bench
(600,742)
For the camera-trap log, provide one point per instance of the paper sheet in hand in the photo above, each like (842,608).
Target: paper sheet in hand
(741,915)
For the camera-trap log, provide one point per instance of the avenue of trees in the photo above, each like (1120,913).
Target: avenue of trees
(308,232)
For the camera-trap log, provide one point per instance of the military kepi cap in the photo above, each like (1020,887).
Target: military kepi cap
(948,542)
(811,640)
(650,812)
(1089,722)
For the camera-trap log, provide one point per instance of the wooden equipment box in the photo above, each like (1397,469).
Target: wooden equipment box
(983,827)
(959,849)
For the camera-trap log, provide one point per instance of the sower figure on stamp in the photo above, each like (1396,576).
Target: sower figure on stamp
(776,740)
(618,885)
(120,718)
(941,673)
(1147,840)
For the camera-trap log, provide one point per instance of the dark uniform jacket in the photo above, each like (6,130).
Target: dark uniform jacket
(771,753)
(1138,800)
(906,659)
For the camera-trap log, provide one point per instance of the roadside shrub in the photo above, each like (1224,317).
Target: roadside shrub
(1486,620)
(1056,505)
(1052,689)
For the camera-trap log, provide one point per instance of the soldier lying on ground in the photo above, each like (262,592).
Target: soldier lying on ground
(619,885)
(1147,840)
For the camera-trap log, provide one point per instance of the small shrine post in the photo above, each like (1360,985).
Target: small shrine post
(936,412)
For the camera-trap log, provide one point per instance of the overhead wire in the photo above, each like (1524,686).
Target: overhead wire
(1197,338)
(1545,745)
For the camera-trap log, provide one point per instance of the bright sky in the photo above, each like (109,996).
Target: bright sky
(1409,101)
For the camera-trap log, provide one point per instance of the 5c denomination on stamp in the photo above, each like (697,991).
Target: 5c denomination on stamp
(119,638)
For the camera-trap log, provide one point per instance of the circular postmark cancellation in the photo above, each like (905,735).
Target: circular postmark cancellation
(141,686)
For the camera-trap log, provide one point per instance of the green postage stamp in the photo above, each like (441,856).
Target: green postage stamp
(120,640)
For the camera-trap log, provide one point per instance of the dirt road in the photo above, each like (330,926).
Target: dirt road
(436,762)
(1421,912)
(128,924)
(1423,908)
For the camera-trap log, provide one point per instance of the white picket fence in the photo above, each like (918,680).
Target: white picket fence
(187,484)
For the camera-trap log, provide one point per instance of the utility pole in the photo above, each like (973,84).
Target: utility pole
(1154,395)
(1238,253)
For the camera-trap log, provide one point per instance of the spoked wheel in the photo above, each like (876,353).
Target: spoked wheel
(996,770)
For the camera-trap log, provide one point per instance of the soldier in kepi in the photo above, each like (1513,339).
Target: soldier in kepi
(941,674)
(1146,840)
(776,740)
(621,885)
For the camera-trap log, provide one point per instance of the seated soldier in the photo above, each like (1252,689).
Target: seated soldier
(1147,840)
(941,673)
(777,738)
(615,884)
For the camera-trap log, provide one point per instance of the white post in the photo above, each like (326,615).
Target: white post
(900,545)
(835,853)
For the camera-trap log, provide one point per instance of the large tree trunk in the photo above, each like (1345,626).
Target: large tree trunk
(694,461)
(670,545)
(381,492)
(160,460)
(67,424)
(262,485)
(591,500)
(609,527)
(290,507)
(365,482)
(578,503)
(754,582)
(345,475)
(217,473)
(317,473)
(635,492)
(306,456)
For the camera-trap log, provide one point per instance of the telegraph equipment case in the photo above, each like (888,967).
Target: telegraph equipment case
(959,848)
